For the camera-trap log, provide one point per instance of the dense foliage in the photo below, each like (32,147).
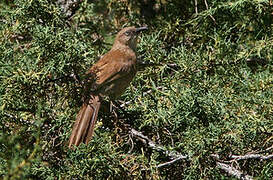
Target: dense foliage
(212,95)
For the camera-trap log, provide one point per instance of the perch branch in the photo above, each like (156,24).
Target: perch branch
(233,171)
(173,155)
(251,156)
(171,162)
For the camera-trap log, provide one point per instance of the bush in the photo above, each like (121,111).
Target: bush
(210,99)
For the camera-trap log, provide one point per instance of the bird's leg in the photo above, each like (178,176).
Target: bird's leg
(113,108)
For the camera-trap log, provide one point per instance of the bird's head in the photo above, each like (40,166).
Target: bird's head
(128,36)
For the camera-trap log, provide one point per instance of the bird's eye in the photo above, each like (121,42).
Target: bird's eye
(127,33)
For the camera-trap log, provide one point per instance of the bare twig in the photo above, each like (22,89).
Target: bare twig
(132,144)
(141,64)
(170,162)
(207,7)
(267,149)
(233,171)
(175,156)
(69,7)
(196,8)
(251,156)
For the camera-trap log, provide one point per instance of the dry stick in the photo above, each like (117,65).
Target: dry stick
(251,156)
(195,4)
(233,171)
(207,7)
(69,7)
(170,162)
(266,150)
(175,156)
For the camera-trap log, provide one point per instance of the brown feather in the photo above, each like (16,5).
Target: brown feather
(85,122)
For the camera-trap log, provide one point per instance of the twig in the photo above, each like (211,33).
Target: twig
(170,162)
(233,171)
(251,156)
(207,7)
(141,64)
(195,4)
(132,144)
(267,149)
(175,156)
(69,7)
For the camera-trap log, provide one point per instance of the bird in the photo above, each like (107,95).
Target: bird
(108,77)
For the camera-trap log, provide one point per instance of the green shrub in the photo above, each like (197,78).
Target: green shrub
(212,93)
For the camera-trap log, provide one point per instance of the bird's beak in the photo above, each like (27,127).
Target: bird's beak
(141,29)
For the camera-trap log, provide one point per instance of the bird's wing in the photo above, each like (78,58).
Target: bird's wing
(110,67)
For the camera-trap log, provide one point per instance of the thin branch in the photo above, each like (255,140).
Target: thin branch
(207,7)
(69,7)
(141,64)
(196,8)
(251,156)
(170,162)
(267,149)
(175,156)
(233,171)
(132,144)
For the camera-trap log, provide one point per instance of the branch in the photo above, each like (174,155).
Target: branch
(233,171)
(207,7)
(195,6)
(251,156)
(171,162)
(175,156)
(69,7)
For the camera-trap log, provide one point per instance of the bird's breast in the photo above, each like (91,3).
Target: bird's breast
(116,87)
(114,72)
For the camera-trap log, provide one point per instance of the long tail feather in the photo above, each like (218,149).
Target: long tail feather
(83,128)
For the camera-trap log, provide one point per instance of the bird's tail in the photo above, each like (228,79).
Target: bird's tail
(83,128)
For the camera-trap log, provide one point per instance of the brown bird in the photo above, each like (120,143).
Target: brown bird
(110,76)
